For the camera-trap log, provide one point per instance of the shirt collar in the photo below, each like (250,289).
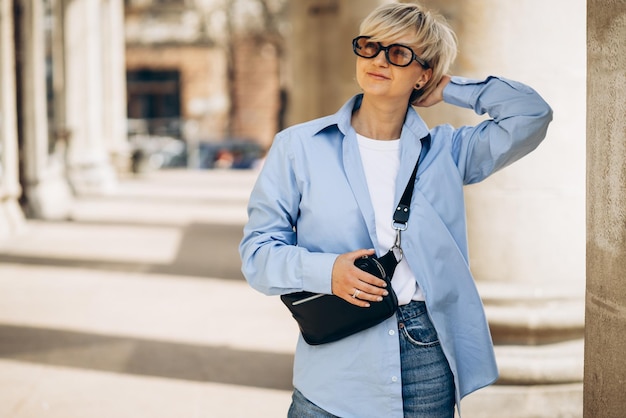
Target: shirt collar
(342,119)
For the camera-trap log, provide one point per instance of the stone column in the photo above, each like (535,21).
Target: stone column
(90,169)
(526,224)
(11,218)
(322,62)
(47,192)
(605,331)
(114,79)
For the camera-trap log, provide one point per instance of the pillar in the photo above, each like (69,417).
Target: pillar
(11,218)
(526,224)
(114,81)
(90,169)
(48,195)
(605,329)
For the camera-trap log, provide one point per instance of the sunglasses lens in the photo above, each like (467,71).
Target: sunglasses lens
(400,55)
(365,48)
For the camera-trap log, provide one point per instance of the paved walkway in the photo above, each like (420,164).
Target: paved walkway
(136,308)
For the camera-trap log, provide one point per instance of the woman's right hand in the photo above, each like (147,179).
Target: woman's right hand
(352,284)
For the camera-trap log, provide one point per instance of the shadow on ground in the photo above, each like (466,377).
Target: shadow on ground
(205,250)
(146,357)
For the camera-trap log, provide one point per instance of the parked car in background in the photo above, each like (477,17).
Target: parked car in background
(151,152)
(230,153)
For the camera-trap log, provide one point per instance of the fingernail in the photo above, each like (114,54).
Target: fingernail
(379,298)
(385,293)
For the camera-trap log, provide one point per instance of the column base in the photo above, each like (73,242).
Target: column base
(537,330)
(51,198)
(557,363)
(93,179)
(527,314)
(538,401)
(11,218)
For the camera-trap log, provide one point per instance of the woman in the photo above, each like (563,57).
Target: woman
(325,197)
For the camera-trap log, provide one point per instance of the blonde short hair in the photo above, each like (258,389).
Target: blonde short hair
(434,41)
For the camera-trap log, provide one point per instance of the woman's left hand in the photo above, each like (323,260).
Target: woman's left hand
(436,95)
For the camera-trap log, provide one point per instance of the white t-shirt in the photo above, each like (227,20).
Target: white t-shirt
(381,162)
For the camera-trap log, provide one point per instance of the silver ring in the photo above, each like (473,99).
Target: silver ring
(356,293)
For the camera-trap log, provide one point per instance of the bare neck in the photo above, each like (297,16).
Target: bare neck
(379,120)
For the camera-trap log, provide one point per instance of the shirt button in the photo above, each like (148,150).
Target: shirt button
(392,332)
(394,379)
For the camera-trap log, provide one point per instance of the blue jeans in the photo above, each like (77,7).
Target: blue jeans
(427,382)
(301,407)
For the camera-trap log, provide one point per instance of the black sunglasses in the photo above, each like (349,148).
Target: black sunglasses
(396,54)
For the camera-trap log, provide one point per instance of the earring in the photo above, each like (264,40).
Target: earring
(418,86)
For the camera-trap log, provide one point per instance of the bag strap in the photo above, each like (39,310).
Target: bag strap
(401,215)
(403,210)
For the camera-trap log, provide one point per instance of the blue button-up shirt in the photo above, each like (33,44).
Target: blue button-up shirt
(311,203)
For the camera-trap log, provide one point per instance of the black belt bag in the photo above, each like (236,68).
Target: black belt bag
(325,318)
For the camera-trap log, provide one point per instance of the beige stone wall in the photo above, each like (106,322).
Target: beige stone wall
(204,88)
(257,91)
(605,341)
(204,97)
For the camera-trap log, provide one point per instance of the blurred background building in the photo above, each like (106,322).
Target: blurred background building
(205,72)
(93,89)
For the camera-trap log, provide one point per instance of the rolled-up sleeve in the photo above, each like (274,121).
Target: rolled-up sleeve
(519,120)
